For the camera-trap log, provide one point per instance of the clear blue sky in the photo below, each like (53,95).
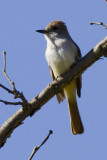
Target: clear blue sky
(27,67)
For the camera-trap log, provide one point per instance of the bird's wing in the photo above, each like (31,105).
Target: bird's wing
(78,79)
(60,96)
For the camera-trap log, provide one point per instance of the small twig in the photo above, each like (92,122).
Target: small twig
(4,71)
(99,23)
(7,89)
(16,93)
(38,147)
(11,103)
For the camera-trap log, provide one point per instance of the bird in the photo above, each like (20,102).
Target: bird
(61,53)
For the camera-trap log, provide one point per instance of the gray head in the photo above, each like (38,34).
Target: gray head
(55,29)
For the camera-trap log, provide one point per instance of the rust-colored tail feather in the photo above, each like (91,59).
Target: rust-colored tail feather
(76,123)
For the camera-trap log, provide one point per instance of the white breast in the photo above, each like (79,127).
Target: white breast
(60,55)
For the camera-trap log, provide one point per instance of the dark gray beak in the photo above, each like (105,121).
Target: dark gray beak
(42,31)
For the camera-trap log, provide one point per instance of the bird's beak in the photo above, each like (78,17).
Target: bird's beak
(42,31)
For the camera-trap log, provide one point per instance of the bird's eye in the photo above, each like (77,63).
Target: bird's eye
(54,28)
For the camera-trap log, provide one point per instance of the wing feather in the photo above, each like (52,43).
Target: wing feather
(60,96)
(78,79)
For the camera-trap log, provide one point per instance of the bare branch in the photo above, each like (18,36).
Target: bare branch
(11,103)
(7,89)
(53,88)
(38,147)
(16,93)
(99,23)
(4,71)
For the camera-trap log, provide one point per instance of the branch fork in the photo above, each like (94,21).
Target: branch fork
(15,92)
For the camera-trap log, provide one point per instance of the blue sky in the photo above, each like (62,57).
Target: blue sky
(27,67)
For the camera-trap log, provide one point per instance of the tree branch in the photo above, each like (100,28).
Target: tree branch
(4,71)
(15,92)
(7,89)
(99,23)
(38,147)
(11,103)
(53,88)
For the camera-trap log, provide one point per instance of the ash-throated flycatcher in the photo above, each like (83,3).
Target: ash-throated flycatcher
(61,53)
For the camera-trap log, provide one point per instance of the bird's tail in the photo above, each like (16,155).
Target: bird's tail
(76,123)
